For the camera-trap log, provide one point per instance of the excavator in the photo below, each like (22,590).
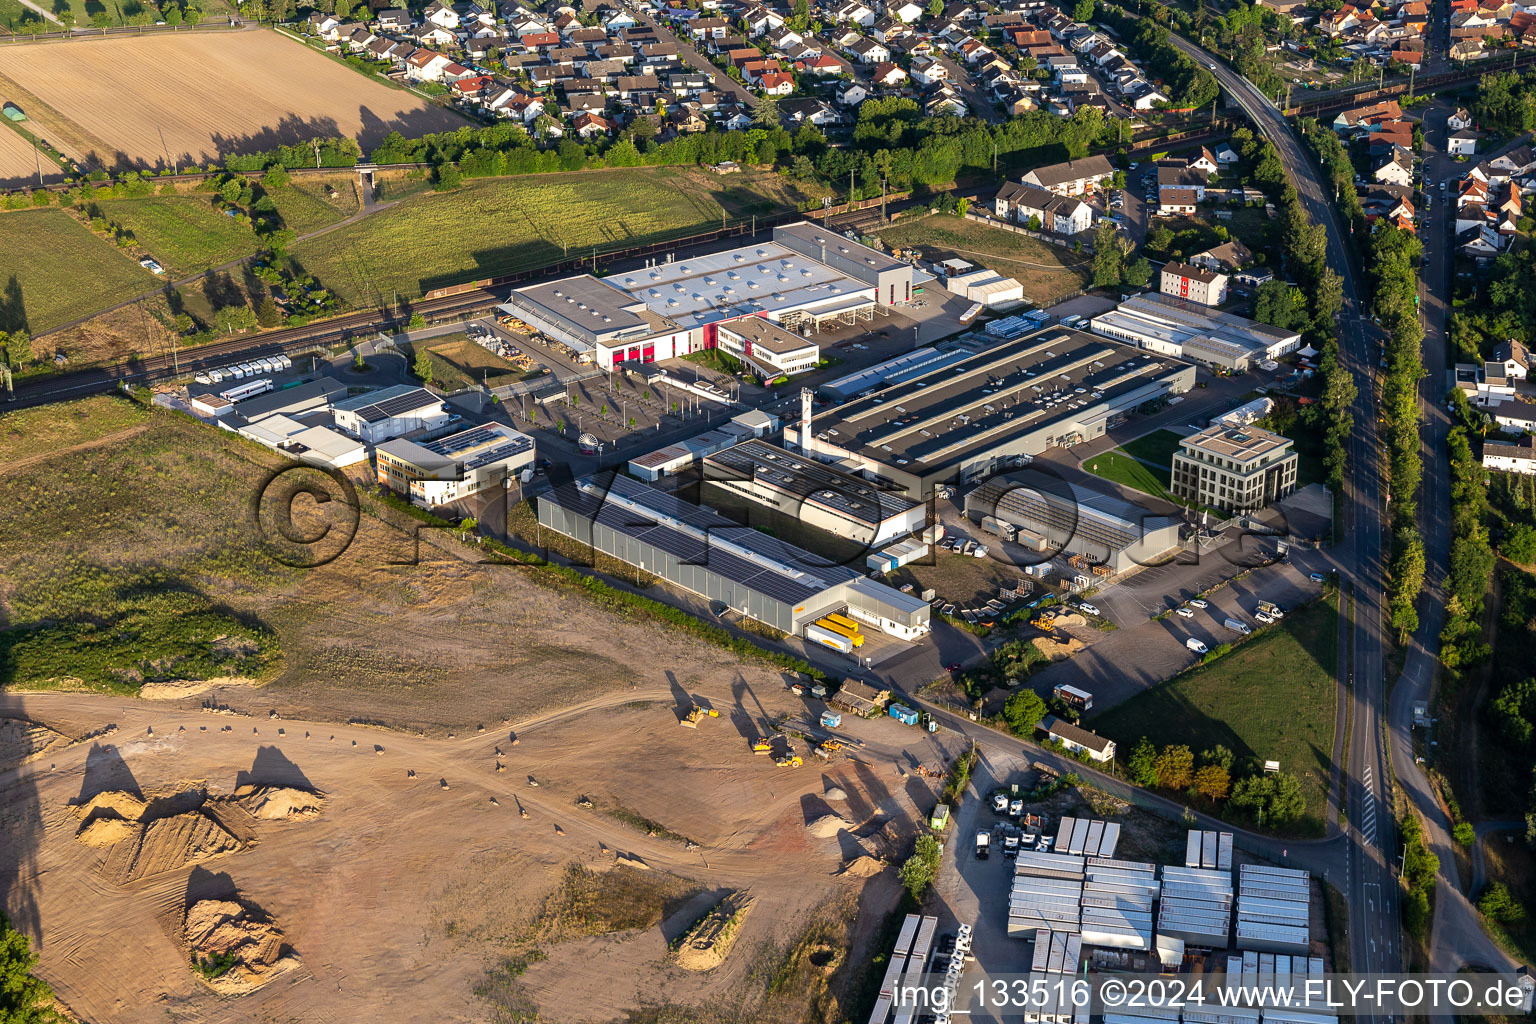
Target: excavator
(696,715)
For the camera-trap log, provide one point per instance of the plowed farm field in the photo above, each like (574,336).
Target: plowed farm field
(184,98)
(17,164)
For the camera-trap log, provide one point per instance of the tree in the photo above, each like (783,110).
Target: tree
(1406,581)
(1498,904)
(267,314)
(1137,273)
(24,998)
(1023,712)
(230,319)
(919,870)
(1274,799)
(767,113)
(1281,305)
(448,177)
(17,346)
(1218,755)
(935,8)
(416,322)
(1083,11)
(1141,766)
(1520,544)
(1175,767)
(1212,782)
(1108,257)
(423,365)
(1464,833)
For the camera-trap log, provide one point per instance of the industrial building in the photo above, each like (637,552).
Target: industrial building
(958,421)
(895,370)
(1273,909)
(706,554)
(767,348)
(392,412)
(453,467)
(316,445)
(313,396)
(806,279)
(905,970)
(1171,326)
(1234,469)
(684,455)
(1052,516)
(815,493)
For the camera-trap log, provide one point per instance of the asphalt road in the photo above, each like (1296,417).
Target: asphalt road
(1369,882)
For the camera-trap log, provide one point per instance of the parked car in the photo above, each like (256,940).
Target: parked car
(1317,577)
(1185,613)
(1262,617)
(1199,602)
(1088,609)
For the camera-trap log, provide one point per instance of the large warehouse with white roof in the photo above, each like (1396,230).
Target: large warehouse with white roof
(805,279)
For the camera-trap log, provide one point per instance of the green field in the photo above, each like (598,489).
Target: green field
(496,226)
(1272,698)
(1047,272)
(186,234)
(53,269)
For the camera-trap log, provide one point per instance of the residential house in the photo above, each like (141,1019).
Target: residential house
(854,13)
(441,14)
(1174,202)
(1459,120)
(851,94)
(1462,143)
(776,83)
(888,74)
(1193,284)
(1020,204)
(1180,174)
(589,125)
(807,110)
(1227,258)
(906,11)
(1074,177)
(1396,169)
(928,71)
(869,51)
(394,19)
(429,66)
(1510,456)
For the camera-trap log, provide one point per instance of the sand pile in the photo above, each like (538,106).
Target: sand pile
(828,825)
(709,942)
(279,803)
(105,831)
(113,803)
(1070,619)
(863,867)
(21,741)
(235,948)
(836,793)
(1056,650)
(168,843)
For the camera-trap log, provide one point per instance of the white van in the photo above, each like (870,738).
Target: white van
(1195,645)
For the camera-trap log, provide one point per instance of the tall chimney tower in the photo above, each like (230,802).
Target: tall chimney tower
(805,419)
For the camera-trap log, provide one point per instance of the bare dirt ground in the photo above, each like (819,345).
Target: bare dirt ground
(107,101)
(380,905)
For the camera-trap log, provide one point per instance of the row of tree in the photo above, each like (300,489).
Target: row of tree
(1269,800)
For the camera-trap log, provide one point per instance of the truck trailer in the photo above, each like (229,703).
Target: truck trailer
(827,638)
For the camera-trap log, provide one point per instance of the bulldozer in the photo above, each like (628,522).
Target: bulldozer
(697,714)
(1043,622)
(761,747)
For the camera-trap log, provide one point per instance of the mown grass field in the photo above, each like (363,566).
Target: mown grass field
(1047,272)
(31,433)
(54,269)
(1123,468)
(1158,446)
(496,226)
(1272,698)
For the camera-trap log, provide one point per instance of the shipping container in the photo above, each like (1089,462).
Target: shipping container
(827,638)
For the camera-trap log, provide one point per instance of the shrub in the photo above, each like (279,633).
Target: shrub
(1464,833)
(919,870)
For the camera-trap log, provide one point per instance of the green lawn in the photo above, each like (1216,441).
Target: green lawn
(497,226)
(1047,272)
(1157,447)
(1121,467)
(53,269)
(1272,698)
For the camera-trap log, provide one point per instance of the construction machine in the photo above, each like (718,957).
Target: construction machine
(697,714)
(826,748)
(790,759)
(761,747)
